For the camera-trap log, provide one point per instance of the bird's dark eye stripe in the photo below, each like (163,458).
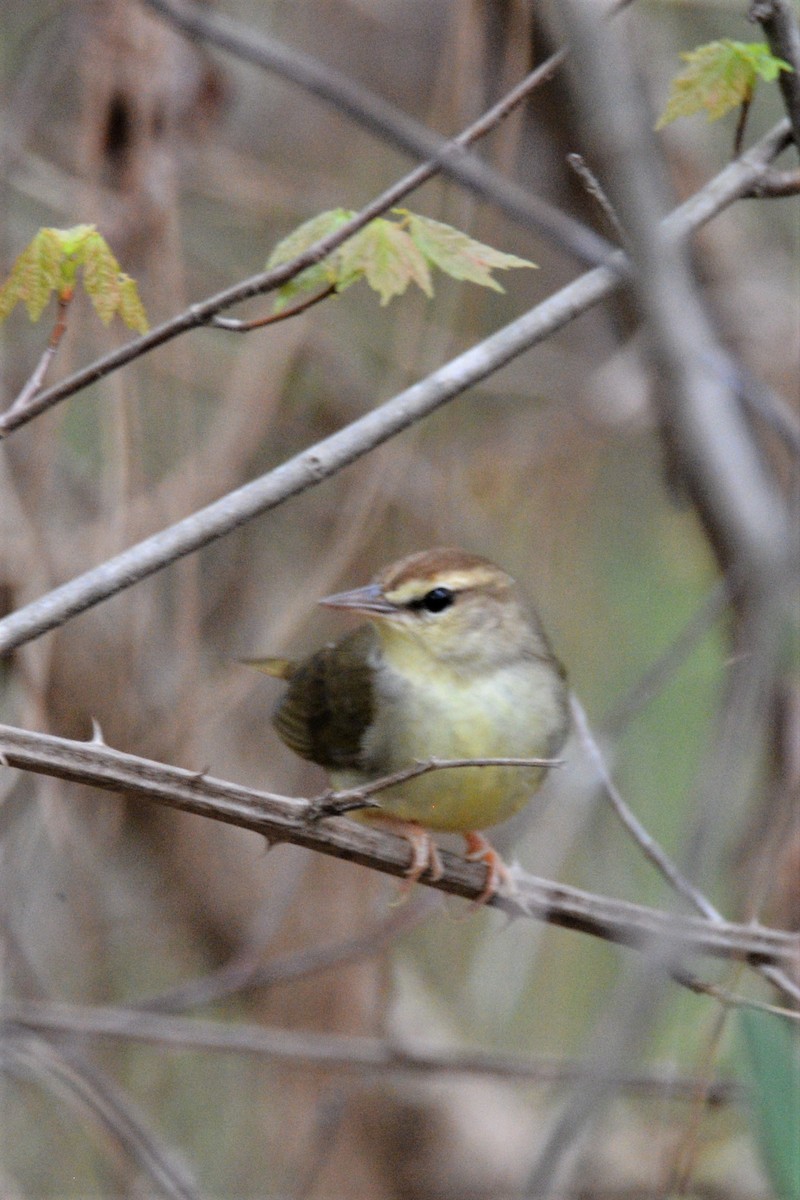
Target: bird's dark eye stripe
(433,601)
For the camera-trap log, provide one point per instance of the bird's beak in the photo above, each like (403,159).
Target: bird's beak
(369,599)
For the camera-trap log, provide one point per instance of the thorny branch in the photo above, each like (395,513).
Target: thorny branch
(285,819)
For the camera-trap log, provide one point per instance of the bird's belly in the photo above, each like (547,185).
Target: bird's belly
(500,719)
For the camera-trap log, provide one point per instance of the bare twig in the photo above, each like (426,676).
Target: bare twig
(777,184)
(737,498)
(388,122)
(203,312)
(653,851)
(273,318)
(350,443)
(779,23)
(34,384)
(649,846)
(284,818)
(594,189)
(325,1049)
(729,999)
(332,804)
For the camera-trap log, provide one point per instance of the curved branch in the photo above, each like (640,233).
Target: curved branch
(333,453)
(285,819)
(266,281)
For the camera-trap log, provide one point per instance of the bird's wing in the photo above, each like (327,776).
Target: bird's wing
(329,703)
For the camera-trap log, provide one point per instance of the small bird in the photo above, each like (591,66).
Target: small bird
(451,664)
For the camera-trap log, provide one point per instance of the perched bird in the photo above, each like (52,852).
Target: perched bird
(451,664)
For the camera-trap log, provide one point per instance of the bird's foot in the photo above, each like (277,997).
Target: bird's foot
(424,854)
(497,872)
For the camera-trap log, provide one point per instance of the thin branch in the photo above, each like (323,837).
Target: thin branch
(246,971)
(776,184)
(34,384)
(389,123)
(647,844)
(324,1049)
(267,281)
(62,1071)
(729,999)
(331,454)
(592,187)
(654,852)
(779,23)
(334,804)
(284,819)
(283,315)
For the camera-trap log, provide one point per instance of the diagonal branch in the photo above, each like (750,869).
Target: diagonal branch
(266,281)
(390,123)
(333,453)
(285,819)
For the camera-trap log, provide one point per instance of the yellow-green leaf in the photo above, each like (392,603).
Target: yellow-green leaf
(459,255)
(101,276)
(131,309)
(34,276)
(322,274)
(72,240)
(50,263)
(720,76)
(387,258)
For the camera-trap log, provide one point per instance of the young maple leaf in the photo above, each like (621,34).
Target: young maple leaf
(720,76)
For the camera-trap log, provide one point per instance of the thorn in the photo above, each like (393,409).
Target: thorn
(199,776)
(97,738)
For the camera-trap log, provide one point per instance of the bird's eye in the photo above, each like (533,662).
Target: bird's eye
(434,601)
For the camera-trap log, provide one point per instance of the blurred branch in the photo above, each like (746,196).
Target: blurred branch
(204,312)
(777,184)
(779,22)
(591,185)
(246,971)
(329,1050)
(744,515)
(658,674)
(388,122)
(29,1056)
(658,856)
(333,453)
(285,819)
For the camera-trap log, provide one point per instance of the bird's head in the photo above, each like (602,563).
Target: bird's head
(450,607)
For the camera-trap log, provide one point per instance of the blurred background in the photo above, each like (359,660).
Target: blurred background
(193,165)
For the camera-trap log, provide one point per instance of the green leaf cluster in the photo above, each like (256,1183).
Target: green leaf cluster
(390,254)
(50,262)
(720,76)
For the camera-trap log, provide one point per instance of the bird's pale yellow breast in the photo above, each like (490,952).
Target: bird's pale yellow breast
(424,711)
